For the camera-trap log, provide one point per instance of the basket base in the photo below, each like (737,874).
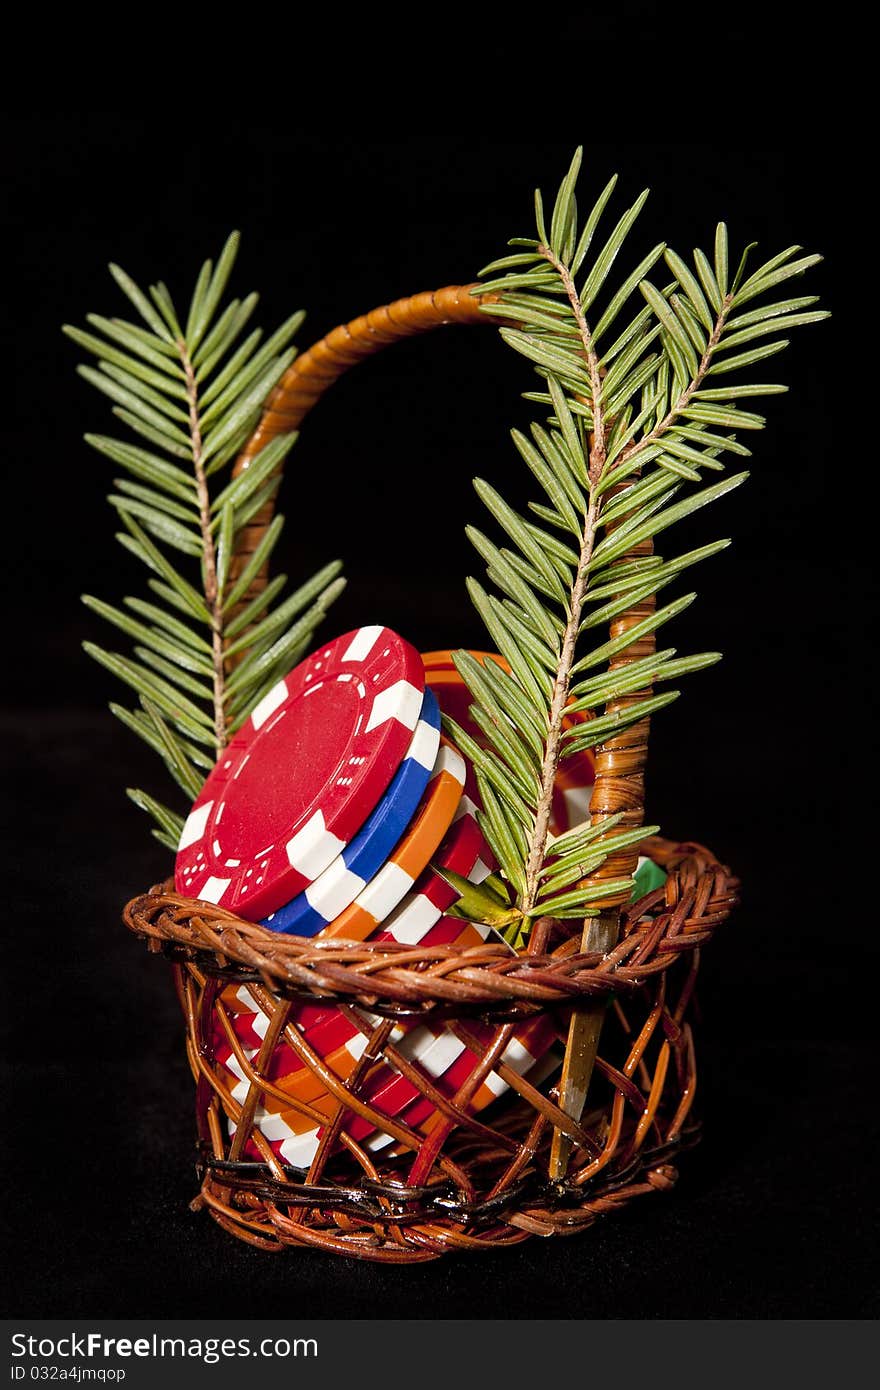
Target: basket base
(386,1221)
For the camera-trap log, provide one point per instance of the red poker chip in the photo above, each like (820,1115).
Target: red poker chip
(302,774)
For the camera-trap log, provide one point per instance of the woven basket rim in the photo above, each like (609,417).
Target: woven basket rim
(401,979)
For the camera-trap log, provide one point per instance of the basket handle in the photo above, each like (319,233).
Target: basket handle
(620,762)
(312,373)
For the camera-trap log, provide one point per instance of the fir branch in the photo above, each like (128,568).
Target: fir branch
(195,394)
(633,423)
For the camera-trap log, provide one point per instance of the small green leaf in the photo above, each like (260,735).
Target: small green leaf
(140,302)
(226,330)
(691,287)
(610,685)
(707,279)
(667,317)
(169,841)
(139,723)
(505,833)
(141,546)
(747,359)
(492,769)
(161,380)
(771,311)
(568,365)
(577,865)
(159,524)
(197,301)
(260,363)
(262,465)
(257,605)
(741,268)
(247,408)
(608,255)
(609,547)
(626,289)
(555,452)
(500,734)
(173,753)
(518,532)
(477,902)
(183,655)
(147,466)
(487,680)
(159,353)
(618,395)
(164,591)
(255,563)
(760,330)
(170,823)
(597,730)
(580,897)
(498,624)
(174,676)
(549,482)
(254,667)
(616,542)
(539,659)
(761,282)
(539,217)
(591,224)
(568,428)
(577,839)
(690,323)
(181,710)
(508,263)
(730,393)
(159,501)
(633,497)
(732,418)
(564,219)
(324,584)
(135,406)
(533,613)
(172,443)
(225,548)
(636,331)
(227,375)
(181,632)
(164,303)
(561,554)
(212,293)
(721,271)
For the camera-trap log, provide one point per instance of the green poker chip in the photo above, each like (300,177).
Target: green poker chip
(648,875)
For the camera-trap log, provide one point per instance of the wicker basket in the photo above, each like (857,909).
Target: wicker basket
(468,1180)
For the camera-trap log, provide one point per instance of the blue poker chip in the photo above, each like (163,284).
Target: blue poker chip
(338,886)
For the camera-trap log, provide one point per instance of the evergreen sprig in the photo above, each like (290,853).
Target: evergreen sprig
(642,406)
(192,388)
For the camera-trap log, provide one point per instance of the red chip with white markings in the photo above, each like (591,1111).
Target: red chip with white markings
(302,774)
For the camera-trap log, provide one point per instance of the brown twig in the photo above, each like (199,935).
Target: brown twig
(209,553)
(595,467)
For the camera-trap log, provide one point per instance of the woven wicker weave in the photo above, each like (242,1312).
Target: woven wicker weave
(474,1180)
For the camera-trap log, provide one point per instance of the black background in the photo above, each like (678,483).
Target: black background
(774,1213)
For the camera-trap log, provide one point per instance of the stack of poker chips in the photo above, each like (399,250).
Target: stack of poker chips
(328,815)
